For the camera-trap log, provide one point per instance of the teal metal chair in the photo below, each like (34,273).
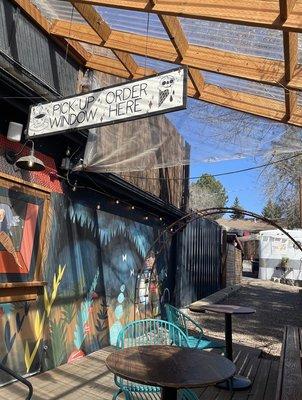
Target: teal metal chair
(187,324)
(142,333)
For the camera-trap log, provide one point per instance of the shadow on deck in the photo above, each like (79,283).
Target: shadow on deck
(88,378)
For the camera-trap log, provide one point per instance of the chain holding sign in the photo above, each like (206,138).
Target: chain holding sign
(132,100)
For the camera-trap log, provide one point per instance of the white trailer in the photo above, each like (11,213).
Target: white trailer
(275,247)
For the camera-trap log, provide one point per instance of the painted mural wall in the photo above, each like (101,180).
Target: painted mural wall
(94,265)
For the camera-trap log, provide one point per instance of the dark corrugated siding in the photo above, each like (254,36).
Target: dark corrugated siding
(198,271)
(34,50)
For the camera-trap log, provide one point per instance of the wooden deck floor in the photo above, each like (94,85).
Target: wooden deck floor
(89,379)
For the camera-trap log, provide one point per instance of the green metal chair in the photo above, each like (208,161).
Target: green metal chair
(142,333)
(183,322)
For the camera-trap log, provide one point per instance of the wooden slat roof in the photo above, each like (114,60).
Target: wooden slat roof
(78,22)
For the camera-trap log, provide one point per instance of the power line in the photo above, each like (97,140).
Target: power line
(259,166)
(215,175)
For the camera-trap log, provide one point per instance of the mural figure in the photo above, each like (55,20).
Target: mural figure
(7,218)
(148,288)
(21,222)
(7,221)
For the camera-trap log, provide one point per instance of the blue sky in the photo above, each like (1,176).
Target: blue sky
(223,140)
(245,185)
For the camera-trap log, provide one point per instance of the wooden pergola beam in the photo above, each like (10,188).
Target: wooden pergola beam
(176,34)
(115,67)
(178,38)
(249,12)
(290,46)
(103,30)
(197,80)
(242,66)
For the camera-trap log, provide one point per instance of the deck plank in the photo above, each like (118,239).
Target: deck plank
(261,378)
(270,390)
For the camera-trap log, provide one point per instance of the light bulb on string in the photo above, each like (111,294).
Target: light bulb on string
(98,206)
(74,187)
(117,202)
(146,218)
(132,208)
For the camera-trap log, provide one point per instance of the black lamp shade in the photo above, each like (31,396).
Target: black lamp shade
(30,163)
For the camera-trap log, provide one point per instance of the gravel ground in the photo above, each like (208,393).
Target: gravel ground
(276,305)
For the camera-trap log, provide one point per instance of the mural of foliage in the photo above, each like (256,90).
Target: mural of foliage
(29,355)
(58,340)
(68,313)
(83,314)
(101,324)
(48,301)
(8,339)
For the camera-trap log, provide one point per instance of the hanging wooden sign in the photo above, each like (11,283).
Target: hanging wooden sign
(139,98)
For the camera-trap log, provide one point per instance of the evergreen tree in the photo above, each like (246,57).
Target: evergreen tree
(207,192)
(272,211)
(237,214)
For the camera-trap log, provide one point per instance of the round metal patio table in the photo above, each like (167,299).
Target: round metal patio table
(238,382)
(170,367)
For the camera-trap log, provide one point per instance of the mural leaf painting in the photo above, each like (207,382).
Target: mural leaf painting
(58,337)
(30,356)
(48,302)
(9,341)
(101,324)
(38,325)
(82,327)
(68,313)
(18,322)
(39,321)
(102,318)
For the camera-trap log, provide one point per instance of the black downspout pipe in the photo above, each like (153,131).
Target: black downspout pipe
(20,379)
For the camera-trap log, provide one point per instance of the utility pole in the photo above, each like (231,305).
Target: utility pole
(300,200)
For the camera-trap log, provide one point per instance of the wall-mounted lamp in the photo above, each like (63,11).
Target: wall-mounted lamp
(14,131)
(29,163)
(65,164)
(75,186)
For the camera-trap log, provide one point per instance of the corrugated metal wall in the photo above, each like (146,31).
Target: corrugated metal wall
(28,45)
(198,260)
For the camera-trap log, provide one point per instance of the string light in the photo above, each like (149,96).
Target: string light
(74,188)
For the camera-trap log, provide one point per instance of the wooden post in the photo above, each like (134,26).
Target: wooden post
(223,259)
(300,200)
